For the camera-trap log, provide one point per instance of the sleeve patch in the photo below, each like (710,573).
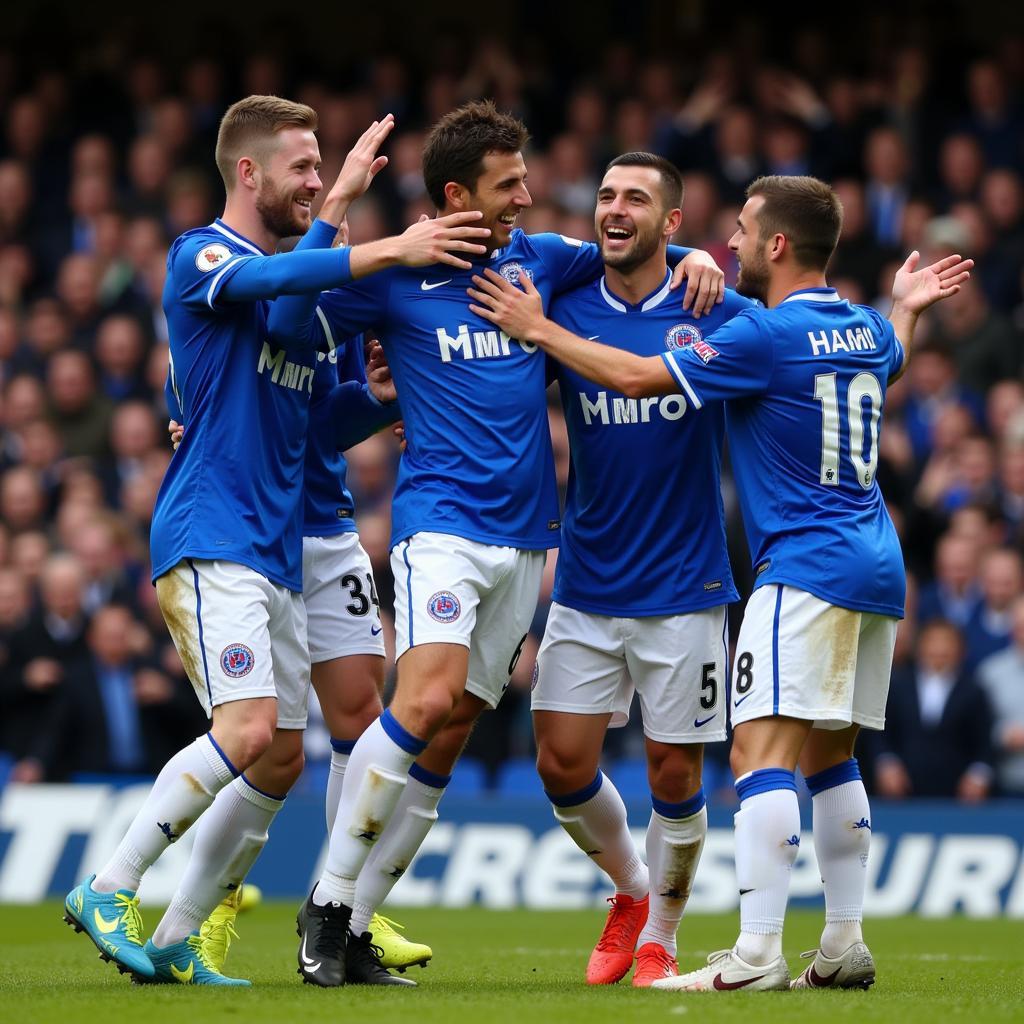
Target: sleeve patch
(576,243)
(705,351)
(212,256)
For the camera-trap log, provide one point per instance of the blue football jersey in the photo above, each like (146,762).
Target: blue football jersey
(644,529)
(478,460)
(805,382)
(233,490)
(328,508)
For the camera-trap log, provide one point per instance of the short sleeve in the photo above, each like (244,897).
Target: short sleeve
(199,268)
(569,261)
(733,362)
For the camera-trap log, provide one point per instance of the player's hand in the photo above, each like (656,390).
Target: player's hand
(705,282)
(341,235)
(913,290)
(177,432)
(517,311)
(399,431)
(361,166)
(438,240)
(378,375)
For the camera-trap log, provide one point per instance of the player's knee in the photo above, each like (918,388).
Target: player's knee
(674,773)
(251,741)
(562,770)
(429,711)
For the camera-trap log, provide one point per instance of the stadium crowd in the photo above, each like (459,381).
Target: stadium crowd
(99,172)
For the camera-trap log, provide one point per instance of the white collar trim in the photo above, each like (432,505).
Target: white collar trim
(237,239)
(814,295)
(649,303)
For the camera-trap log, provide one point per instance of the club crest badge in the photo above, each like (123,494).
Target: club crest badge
(210,257)
(237,660)
(444,606)
(682,336)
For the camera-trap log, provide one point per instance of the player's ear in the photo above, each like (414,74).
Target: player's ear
(672,221)
(246,170)
(456,196)
(778,246)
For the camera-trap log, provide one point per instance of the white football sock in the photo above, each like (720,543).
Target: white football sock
(673,852)
(341,750)
(377,771)
(767,842)
(595,818)
(229,838)
(842,839)
(184,789)
(413,819)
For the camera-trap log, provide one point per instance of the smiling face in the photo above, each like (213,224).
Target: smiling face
(751,252)
(630,218)
(289,182)
(500,195)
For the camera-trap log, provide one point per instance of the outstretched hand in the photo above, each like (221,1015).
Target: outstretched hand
(517,311)
(438,240)
(361,166)
(913,290)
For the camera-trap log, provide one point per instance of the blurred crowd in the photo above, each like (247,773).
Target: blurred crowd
(100,168)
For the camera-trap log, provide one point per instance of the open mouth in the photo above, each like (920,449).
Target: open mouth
(617,234)
(508,220)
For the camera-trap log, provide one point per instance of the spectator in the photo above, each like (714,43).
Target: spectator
(988,629)
(1001,675)
(80,414)
(938,723)
(42,653)
(955,594)
(118,712)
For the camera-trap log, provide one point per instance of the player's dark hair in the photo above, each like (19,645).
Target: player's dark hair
(671,179)
(249,125)
(457,144)
(807,211)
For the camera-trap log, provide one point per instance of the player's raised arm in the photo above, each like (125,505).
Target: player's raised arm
(913,291)
(424,243)
(520,314)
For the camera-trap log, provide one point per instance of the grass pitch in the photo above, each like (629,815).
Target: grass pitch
(497,966)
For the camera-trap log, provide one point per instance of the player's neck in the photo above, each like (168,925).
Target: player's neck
(796,280)
(635,285)
(249,224)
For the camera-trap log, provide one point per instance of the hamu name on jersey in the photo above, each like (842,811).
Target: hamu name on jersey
(478,344)
(284,372)
(621,411)
(857,340)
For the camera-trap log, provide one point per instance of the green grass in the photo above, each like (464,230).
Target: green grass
(494,967)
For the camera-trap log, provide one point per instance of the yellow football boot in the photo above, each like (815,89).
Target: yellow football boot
(398,952)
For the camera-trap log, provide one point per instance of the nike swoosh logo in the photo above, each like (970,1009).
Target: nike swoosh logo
(743,892)
(737,703)
(103,924)
(818,981)
(311,965)
(424,287)
(698,722)
(377,631)
(594,337)
(728,986)
(184,977)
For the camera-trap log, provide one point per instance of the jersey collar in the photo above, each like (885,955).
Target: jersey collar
(814,295)
(654,299)
(219,225)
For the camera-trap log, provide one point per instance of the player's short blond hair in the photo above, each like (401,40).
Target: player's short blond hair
(249,127)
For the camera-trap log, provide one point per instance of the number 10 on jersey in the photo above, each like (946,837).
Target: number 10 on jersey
(863,386)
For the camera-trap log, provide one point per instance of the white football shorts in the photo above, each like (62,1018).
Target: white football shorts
(449,590)
(239,636)
(592,664)
(802,657)
(342,610)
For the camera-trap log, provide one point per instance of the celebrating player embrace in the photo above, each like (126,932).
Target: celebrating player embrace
(805,381)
